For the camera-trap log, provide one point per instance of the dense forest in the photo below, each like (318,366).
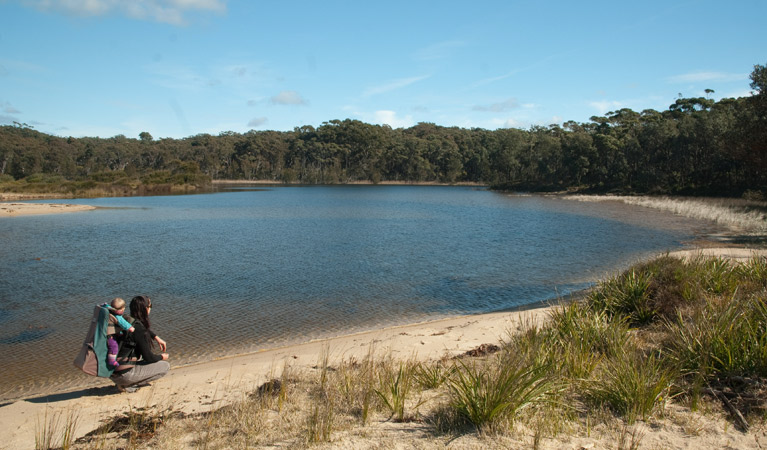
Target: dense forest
(697,147)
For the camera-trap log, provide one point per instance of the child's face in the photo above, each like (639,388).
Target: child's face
(120,311)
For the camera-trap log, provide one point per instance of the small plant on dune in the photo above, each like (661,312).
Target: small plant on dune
(484,394)
(368,385)
(534,344)
(51,428)
(716,275)
(582,337)
(753,271)
(626,295)
(396,388)
(431,375)
(319,423)
(632,385)
(356,383)
(629,437)
(590,326)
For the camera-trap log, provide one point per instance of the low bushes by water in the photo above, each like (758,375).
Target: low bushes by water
(108,184)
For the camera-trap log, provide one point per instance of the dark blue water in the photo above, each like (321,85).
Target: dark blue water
(238,271)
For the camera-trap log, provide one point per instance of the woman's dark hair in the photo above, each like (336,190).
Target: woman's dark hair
(139,306)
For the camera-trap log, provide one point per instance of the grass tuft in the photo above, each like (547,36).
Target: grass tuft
(632,385)
(486,393)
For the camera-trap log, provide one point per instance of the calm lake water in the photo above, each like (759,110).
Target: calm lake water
(248,269)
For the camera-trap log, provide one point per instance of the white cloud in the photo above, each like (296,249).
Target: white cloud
(257,122)
(390,118)
(166,11)
(604,106)
(287,98)
(695,77)
(394,85)
(498,107)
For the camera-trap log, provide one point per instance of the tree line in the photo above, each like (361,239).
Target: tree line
(697,147)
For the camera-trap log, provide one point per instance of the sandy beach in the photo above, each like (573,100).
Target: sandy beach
(204,386)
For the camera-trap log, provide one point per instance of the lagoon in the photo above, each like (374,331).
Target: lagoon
(249,268)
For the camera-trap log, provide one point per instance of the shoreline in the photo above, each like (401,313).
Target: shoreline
(205,386)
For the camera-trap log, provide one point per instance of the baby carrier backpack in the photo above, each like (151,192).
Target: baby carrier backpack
(92,358)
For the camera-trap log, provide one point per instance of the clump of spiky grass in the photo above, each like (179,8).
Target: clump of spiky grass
(725,338)
(592,327)
(754,272)
(632,385)
(396,387)
(627,295)
(484,394)
(432,374)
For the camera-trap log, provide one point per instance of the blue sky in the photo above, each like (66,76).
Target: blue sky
(176,68)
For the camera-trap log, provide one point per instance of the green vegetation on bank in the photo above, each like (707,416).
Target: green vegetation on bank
(183,177)
(688,332)
(697,147)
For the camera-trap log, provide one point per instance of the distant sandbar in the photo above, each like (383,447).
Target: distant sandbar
(26,209)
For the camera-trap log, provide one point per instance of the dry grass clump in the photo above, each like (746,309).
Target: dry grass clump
(670,331)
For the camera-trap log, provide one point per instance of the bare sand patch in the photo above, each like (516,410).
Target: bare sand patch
(26,209)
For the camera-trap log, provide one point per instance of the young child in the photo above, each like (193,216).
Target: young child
(116,308)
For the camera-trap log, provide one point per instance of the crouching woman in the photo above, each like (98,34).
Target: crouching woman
(138,363)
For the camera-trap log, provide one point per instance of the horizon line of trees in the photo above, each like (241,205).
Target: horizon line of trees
(697,147)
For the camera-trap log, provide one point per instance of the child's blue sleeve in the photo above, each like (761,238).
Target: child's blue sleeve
(122,322)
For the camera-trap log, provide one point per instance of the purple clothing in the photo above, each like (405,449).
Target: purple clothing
(112,349)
